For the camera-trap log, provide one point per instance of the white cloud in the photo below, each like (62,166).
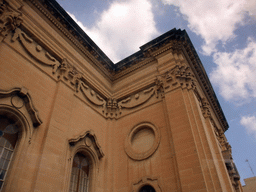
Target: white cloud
(235,73)
(215,21)
(123,28)
(249,122)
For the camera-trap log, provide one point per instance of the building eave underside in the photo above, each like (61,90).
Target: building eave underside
(180,36)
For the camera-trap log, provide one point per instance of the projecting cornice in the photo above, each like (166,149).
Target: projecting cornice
(175,40)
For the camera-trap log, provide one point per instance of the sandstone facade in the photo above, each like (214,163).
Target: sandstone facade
(150,122)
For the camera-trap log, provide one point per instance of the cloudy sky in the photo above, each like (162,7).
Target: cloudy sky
(223,33)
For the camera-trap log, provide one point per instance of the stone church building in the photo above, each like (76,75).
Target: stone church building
(71,120)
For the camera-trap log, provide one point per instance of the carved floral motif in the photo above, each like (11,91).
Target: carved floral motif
(10,19)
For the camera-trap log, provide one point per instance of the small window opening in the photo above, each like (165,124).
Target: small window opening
(147,188)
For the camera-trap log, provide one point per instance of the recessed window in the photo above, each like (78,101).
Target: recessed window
(8,140)
(79,181)
(147,188)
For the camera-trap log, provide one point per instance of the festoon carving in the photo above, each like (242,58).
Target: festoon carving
(179,75)
(35,50)
(88,139)
(10,19)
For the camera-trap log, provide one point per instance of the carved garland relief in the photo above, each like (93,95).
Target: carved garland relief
(178,76)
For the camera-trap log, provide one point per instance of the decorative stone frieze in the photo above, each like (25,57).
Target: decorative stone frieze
(35,50)
(10,19)
(92,96)
(111,107)
(137,99)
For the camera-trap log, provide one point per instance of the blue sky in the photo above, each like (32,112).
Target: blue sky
(223,33)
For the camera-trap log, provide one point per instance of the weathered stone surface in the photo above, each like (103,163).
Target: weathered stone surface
(152,119)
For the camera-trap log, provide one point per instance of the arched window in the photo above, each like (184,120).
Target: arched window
(8,140)
(79,181)
(147,188)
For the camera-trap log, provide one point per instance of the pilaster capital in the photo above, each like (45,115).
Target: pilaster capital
(179,76)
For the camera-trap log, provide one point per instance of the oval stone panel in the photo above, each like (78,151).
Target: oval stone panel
(142,140)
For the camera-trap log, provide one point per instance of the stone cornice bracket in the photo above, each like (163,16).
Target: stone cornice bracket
(89,139)
(10,19)
(23,94)
(179,76)
(35,50)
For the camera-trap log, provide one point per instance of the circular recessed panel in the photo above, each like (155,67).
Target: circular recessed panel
(142,141)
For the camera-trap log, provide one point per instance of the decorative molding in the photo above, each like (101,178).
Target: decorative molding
(77,36)
(226,151)
(111,108)
(147,180)
(25,99)
(137,99)
(205,108)
(92,96)
(179,76)
(176,40)
(10,19)
(90,140)
(35,50)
